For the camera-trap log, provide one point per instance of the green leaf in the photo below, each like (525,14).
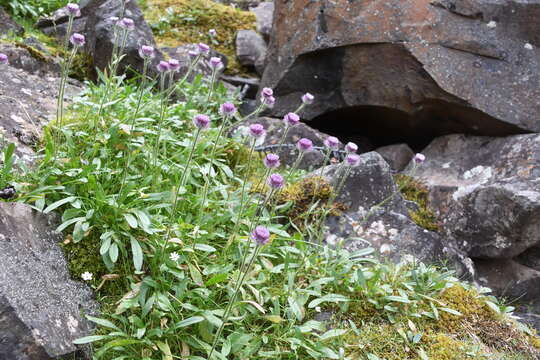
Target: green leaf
(332,333)
(398,299)
(328,298)
(296,308)
(204,247)
(102,322)
(132,222)
(216,279)
(137,254)
(89,339)
(165,349)
(59,203)
(451,311)
(189,321)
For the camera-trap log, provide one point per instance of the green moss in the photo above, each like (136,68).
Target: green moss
(413,190)
(179,22)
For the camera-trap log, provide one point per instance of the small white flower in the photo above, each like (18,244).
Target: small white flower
(318,309)
(86,276)
(492,24)
(528,46)
(174,256)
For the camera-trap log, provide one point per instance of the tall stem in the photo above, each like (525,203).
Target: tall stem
(160,120)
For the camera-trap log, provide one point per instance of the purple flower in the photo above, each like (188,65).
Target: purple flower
(275,181)
(353,159)
(212,32)
(227,109)
(4,60)
(267,92)
(216,63)
(174,65)
(304,145)
(77,39)
(332,142)
(271,161)
(308,99)
(73,10)
(261,235)
(419,158)
(291,119)
(203,48)
(126,23)
(351,147)
(193,53)
(147,52)
(163,66)
(256,130)
(201,121)
(269,101)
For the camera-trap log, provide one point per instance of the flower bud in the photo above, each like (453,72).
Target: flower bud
(308,99)
(271,161)
(201,121)
(331,142)
(77,39)
(261,235)
(256,130)
(304,145)
(275,181)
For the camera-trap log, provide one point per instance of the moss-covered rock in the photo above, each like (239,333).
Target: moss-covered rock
(179,22)
(412,190)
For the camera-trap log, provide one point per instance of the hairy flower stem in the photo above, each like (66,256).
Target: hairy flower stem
(212,84)
(242,202)
(295,166)
(164,99)
(240,281)
(212,154)
(179,186)
(142,88)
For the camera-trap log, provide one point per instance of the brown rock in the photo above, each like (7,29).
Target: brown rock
(436,67)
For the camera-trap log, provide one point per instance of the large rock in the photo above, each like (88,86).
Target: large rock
(251,49)
(26,58)
(41,308)
(415,68)
(27,103)
(486,192)
(377,216)
(264,13)
(397,156)
(100,35)
(8,25)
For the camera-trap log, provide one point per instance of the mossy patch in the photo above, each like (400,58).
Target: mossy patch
(179,22)
(413,190)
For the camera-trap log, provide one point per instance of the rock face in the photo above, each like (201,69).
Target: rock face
(100,35)
(23,58)
(40,307)
(442,67)
(251,49)
(397,156)
(378,217)
(264,13)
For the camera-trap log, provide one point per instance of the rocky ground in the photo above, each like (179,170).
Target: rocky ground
(458,81)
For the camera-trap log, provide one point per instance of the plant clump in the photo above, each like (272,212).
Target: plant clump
(413,190)
(180,22)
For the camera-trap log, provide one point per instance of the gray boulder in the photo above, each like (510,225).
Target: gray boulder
(8,25)
(397,156)
(251,49)
(41,308)
(100,36)
(377,216)
(264,12)
(24,58)
(486,192)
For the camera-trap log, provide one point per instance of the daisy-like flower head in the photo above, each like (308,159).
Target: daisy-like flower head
(174,256)
(419,158)
(271,161)
(291,119)
(87,276)
(332,142)
(261,235)
(275,181)
(352,159)
(127,23)
(227,109)
(216,63)
(147,52)
(174,65)
(304,145)
(267,92)
(351,147)
(201,121)
(308,99)
(163,66)
(203,48)
(256,130)
(73,10)
(4,60)
(77,39)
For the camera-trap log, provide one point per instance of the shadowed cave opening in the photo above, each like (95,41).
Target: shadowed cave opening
(375,126)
